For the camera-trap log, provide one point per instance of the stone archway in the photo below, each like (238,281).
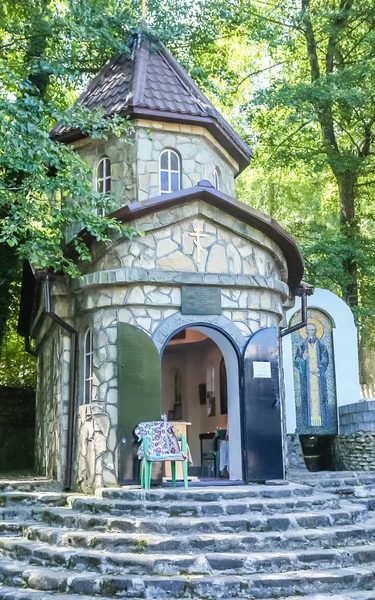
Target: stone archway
(230,342)
(178,321)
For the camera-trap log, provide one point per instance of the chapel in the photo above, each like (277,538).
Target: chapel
(183,319)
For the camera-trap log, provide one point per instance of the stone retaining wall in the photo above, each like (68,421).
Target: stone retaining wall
(359,416)
(355,451)
(17,428)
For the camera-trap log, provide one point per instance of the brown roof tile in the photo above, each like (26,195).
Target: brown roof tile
(148,82)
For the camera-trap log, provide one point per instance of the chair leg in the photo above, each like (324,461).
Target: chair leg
(149,475)
(217,465)
(185,473)
(173,473)
(185,462)
(142,474)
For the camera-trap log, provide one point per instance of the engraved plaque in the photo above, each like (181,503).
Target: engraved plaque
(200,300)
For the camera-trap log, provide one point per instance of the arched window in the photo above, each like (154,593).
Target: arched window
(103,178)
(170,172)
(88,354)
(217,178)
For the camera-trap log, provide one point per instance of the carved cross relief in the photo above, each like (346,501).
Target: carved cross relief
(197,233)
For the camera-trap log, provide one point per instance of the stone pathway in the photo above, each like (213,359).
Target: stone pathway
(312,538)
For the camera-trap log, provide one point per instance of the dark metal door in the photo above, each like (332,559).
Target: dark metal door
(262,423)
(138,393)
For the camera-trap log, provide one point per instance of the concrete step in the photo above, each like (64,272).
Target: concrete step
(193,508)
(260,585)
(212,563)
(64,517)
(211,494)
(336,537)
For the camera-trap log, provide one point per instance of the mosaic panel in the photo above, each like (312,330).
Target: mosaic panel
(314,374)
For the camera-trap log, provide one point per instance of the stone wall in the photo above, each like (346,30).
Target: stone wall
(135,166)
(200,154)
(355,446)
(52,399)
(355,451)
(139,282)
(17,428)
(359,416)
(294,453)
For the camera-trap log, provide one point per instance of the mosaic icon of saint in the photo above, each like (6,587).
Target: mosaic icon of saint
(312,361)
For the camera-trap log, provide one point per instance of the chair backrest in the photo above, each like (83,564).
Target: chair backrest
(219,435)
(160,436)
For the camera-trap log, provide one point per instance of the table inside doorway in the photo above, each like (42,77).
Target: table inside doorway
(180,429)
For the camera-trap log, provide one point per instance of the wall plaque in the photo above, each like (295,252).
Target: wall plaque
(200,300)
(261,369)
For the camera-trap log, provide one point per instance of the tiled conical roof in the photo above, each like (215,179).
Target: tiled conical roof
(147,82)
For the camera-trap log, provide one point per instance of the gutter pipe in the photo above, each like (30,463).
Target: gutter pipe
(302,292)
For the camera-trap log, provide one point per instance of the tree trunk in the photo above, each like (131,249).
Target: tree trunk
(346,184)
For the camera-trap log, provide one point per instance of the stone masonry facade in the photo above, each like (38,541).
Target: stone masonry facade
(139,282)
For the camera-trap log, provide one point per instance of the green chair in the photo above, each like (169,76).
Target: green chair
(214,452)
(160,444)
(146,465)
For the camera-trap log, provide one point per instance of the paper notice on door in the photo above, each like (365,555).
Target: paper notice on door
(261,370)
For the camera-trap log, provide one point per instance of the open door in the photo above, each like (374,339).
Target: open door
(262,424)
(138,393)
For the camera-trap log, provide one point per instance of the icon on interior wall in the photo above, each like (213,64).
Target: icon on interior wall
(314,375)
(202,393)
(211,404)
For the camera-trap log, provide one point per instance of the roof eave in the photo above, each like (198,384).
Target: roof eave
(239,154)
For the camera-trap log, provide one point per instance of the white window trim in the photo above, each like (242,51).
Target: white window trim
(105,179)
(169,170)
(88,375)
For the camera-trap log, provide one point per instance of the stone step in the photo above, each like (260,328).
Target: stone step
(348,513)
(211,563)
(13,593)
(211,494)
(259,585)
(29,484)
(353,595)
(193,508)
(11,528)
(338,536)
(10,499)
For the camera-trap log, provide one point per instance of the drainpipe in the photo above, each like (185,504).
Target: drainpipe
(302,292)
(73,353)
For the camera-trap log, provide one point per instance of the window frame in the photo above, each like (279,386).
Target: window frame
(169,171)
(106,180)
(88,373)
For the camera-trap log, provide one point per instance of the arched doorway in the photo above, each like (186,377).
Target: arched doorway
(200,386)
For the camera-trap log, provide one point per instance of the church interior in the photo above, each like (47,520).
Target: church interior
(195,398)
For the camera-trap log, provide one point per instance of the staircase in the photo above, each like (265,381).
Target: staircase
(255,541)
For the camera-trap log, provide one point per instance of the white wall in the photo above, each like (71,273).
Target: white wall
(345,346)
